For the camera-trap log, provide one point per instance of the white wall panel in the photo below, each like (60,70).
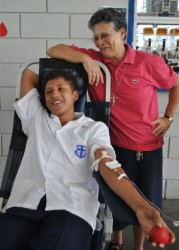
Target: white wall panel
(7,98)
(21,50)
(45,25)
(8,73)
(172,190)
(83,6)
(171,169)
(6,122)
(79,26)
(22,5)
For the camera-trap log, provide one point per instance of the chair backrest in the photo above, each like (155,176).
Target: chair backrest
(99,111)
(15,154)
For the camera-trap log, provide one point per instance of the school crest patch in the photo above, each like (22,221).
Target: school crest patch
(80,151)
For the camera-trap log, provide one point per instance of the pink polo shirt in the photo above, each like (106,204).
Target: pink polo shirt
(134,82)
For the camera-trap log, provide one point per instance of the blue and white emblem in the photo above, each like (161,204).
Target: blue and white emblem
(80,151)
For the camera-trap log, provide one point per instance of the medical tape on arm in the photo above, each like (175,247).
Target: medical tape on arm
(114,165)
(95,165)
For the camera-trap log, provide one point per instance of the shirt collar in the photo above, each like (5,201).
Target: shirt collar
(129,58)
(80,119)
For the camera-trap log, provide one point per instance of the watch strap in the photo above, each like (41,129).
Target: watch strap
(169,118)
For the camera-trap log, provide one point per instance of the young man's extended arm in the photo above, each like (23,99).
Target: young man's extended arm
(147,215)
(64,52)
(29,80)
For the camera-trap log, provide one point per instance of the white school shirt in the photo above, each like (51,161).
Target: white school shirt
(57,161)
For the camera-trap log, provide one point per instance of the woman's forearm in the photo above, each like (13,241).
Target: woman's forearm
(64,52)
(173,100)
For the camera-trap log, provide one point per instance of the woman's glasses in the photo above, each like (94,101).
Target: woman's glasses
(103,36)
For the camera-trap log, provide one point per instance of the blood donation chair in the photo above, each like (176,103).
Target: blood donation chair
(99,111)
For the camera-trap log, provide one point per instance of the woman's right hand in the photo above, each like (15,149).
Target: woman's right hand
(64,52)
(94,72)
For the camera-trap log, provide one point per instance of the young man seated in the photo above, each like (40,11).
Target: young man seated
(54,199)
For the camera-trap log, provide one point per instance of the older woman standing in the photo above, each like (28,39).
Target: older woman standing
(136,130)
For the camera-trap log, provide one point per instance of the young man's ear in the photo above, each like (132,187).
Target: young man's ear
(75,95)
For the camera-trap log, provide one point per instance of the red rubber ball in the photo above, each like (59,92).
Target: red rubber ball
(159,235)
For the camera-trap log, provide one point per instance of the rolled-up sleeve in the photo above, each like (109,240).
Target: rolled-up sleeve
(101,139)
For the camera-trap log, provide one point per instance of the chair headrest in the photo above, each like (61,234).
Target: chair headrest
(77,70)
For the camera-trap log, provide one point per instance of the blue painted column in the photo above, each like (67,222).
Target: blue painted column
(130,32)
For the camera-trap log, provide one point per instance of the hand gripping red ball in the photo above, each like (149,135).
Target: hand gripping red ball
(159,235)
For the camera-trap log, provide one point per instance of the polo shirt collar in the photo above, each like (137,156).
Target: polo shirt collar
(129,58)
(81,119)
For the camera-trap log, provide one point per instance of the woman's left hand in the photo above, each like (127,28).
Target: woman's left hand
(162,125)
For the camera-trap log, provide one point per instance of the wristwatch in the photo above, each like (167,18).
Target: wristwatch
(169,118)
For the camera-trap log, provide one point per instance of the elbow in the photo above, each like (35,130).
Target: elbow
(56,51)
(50,52)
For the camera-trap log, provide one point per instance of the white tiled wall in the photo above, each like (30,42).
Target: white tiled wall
(8,73)
(35,25)
(171,153)
(44,25)
(21,50)
(19,6)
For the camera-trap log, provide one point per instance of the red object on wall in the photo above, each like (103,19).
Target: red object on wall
(3,30)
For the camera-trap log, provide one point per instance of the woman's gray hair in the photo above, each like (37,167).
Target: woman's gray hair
(108,15)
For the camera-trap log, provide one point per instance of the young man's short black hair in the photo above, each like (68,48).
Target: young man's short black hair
(108,15)
(65,74)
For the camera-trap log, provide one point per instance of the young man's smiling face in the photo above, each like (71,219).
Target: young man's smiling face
(60,98)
